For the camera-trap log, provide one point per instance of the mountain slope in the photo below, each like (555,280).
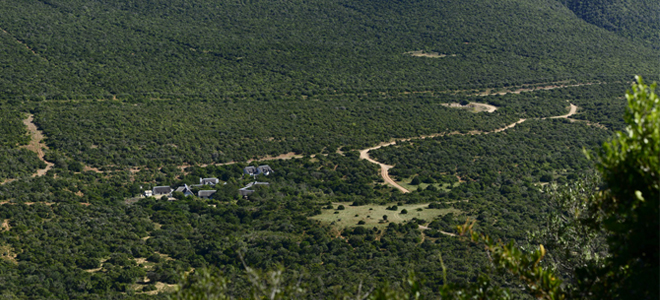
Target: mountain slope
(638,20)
(202,47)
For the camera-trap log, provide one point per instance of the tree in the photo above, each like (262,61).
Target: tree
(628,207)
(415,181)
(625,210)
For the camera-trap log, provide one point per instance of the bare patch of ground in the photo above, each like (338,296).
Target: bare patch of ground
(36,145)
(5,225)
(7,181)
(443,232)
(94,270)
(162,287)
(88,168)
(476,107)
(422,53)
(7,253)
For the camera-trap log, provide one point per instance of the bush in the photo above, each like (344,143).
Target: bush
(546,177)
(404,211)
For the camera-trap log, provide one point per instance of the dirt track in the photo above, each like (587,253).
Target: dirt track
(384,169)
(364,154)
(572,111)
(36,145)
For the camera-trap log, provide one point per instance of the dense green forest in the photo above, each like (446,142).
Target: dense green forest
(156,132)
(130,95)
(82,49)
(636,19)
(15,161)
(116,246)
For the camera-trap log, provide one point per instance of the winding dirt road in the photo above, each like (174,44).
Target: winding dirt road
(572,110)
(36,145)
(384,169)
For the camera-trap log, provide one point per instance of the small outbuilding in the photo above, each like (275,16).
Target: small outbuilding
(162,190)
(209,181)
(264,169)
(185,189)
(251,170)
(206,194)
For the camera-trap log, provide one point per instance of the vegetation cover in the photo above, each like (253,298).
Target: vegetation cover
(81,49)
(133,95)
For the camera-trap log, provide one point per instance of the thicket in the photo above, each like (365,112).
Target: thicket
(15,162)
(78,49)
(621,210)
(153,133)
(637,20)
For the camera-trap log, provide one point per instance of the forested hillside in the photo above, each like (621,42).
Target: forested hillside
(637,19)
(79,49)
(387,125)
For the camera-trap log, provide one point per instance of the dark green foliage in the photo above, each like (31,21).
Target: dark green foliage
(636,19)
(12,132)
(153,133)
(201,82)
(628,208)
(75,49)
(15,162)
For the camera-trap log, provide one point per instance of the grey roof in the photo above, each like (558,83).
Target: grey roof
(160,190)
(245,192)
(185,189)
(209,181)
(250,170)
(264,169)
(206,193)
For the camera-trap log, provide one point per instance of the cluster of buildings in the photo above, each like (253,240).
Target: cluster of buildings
(254,171)
(185,189)
(208,194)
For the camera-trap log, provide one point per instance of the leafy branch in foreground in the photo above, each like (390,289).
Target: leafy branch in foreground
(540,282)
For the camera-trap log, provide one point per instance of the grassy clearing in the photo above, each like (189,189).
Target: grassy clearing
(373,214)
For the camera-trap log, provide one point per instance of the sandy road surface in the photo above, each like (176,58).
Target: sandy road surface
(384,169)
(36,145)
(364,154)
(572,111)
